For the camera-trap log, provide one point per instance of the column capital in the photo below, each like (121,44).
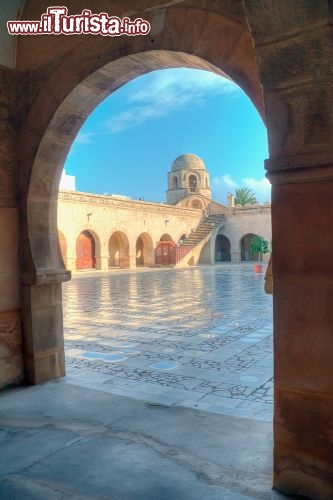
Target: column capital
(46,277)
(300,167)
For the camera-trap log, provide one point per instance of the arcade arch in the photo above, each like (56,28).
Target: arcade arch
(193,183)
(245,249)
(165,237)
(85,251)
(144,250)
(196,204)
(71,103)
(118,247)
(222,249)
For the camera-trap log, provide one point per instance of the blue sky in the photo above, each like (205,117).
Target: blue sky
(127,145)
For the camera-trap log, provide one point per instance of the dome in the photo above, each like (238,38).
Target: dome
(187,162)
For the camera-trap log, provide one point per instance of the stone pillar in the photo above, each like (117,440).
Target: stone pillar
(102,263)
(207,254)
(230,200)
(303,270)
(132,261)
(293,45)
(235,256)
(71,253)
(71,263)
(41,278)
(43,338)
(11,360)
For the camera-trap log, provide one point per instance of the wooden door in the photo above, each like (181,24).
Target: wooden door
(85,251)
(165,253)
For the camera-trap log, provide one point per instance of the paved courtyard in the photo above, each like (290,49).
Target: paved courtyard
(198,337)
(168,394)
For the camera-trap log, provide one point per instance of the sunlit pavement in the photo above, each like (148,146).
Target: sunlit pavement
(198,337)
(166,397)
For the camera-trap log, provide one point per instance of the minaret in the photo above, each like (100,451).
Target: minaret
(188,176)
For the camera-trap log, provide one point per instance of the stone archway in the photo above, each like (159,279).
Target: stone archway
(66,93)
(245,250)
(119,250)
(52,138)
(165,237)
(144,250)
(85,251)
(222,249)
(196,204)
(193,183)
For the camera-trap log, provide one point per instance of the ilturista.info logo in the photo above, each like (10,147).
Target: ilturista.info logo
(56,21)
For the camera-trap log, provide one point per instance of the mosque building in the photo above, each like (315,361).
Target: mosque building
(105,232)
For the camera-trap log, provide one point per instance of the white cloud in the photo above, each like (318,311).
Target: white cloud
(225,181)
(85,137)
(225,184)
(166,91)
(261,188)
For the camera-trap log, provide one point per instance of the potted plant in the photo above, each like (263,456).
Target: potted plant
(260,246)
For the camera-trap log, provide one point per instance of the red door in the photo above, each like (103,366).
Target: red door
(165,253)
(85,251)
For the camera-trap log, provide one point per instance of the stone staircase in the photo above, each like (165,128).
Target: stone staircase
(188,252)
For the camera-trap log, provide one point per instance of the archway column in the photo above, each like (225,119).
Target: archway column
(302,217)
(11,365)
(42,317)
(71,252)
(235,256)
(102,263)
(207,255)
(293,45)
(132,261)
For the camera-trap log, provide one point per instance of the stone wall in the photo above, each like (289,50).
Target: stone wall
(102,216)
(242,221)
(11,365)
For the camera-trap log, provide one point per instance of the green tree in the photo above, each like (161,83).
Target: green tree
(259,245)
(244,196)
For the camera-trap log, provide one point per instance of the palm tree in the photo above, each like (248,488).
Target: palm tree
(245,196)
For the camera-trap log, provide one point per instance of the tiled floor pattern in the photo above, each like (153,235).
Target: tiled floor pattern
(198,337)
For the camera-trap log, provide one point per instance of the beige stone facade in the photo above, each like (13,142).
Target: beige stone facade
(120,229)
(106,217)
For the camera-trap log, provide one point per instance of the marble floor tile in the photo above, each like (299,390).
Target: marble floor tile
(198,337)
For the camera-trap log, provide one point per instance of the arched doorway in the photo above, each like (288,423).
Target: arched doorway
(63,247)
(118,250)
(222,249)
(165,252)
(193,183)
(245,248)
(97,77)
(144,250)
(165,237)
(196,204)
(85,251)
(56,134)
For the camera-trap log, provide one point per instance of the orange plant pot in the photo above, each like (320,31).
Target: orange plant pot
(257,268)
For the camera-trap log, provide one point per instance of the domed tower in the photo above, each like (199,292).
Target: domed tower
(188,176)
